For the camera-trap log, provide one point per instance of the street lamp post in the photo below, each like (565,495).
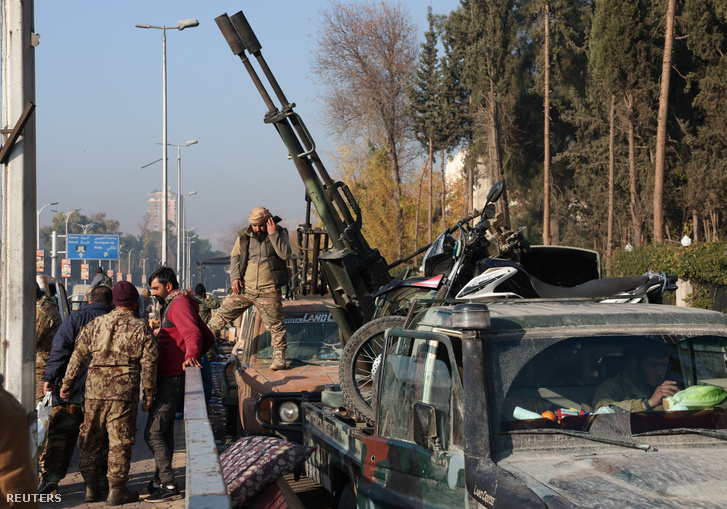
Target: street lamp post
(184,230)
(181,25)
(128,263)
(187,247)
(68,214)
(189,251)
(180,252)
(85,227)
(37,223)
(143,271)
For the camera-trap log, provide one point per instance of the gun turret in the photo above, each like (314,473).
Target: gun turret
(353,270)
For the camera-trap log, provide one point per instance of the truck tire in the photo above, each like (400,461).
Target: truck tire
(359,362)
(348,498)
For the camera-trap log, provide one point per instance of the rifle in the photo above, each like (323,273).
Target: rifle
(353,270)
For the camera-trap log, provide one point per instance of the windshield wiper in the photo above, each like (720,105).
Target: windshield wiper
(685,431)
(625,442)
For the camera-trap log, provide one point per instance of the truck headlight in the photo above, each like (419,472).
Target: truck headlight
(288,412)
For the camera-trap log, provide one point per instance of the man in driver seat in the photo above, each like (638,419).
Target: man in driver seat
(641,386)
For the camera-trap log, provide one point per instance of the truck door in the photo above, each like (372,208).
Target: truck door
(412,457)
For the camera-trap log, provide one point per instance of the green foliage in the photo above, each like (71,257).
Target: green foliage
(702,262)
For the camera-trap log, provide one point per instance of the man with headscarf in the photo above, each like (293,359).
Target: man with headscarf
(258,270)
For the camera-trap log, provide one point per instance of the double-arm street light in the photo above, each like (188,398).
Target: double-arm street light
(128,263)
(181,25)
(37,223)
(179,199)
(68,214)
(85,227)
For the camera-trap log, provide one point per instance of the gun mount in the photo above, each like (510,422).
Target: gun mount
(353,270)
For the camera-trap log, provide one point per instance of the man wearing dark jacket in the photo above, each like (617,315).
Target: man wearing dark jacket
(182,339)
(67,417)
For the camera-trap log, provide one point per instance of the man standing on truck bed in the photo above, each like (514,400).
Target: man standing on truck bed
(258,269)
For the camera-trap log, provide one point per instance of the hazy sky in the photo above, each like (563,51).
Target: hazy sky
(99,107)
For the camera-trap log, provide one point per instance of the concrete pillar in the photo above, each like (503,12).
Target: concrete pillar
(17,257)
(684,290)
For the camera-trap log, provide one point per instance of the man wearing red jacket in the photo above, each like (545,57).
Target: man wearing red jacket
(182,339)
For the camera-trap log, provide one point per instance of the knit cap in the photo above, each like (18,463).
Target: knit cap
(125,294)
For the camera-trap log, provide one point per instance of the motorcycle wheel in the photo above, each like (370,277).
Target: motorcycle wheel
(359,364)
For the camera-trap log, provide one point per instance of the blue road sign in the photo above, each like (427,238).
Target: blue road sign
(92,247)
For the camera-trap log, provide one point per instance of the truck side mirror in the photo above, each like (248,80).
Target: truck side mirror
(425,425)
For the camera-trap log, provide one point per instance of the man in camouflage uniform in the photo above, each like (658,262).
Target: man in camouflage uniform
(67,417)
(124,351)
(206,302)
(258,270)
(47,322)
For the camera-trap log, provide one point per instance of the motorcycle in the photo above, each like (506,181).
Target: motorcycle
(484,262)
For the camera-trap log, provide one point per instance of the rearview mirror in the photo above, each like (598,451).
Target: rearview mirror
(495,192)
(425,425)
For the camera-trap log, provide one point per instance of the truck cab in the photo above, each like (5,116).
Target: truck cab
(513,405)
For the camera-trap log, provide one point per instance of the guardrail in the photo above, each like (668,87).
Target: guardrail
(205,484)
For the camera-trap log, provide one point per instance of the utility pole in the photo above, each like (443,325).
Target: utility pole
(17,257)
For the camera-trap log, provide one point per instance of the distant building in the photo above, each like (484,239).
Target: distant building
(155,207)
(455,170)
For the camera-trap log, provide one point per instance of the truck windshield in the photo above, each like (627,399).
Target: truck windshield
(578,383)
(307,341)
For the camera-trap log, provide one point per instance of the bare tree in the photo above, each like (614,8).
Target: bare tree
(365,58)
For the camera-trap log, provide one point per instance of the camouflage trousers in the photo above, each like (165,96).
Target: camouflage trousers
(267,302)
(108,424)
(63,428)
(41,359)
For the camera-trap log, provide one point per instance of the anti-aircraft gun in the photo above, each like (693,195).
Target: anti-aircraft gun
(354,271)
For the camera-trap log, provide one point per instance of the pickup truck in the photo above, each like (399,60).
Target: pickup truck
(529,404)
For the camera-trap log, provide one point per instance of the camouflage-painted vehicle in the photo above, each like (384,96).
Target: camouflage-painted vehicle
(513,405)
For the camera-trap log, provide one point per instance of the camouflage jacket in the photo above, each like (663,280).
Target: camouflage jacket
(124,352)
(206,305)
(47,321)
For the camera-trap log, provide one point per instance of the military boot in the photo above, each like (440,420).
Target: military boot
(93,491)
(119,495)
(278,359)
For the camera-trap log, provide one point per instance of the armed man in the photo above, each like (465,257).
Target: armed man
(258,270)
(124,352)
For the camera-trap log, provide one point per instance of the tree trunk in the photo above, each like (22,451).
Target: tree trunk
(431,186)
(497,172)
(546,140)
(661,129)
(611,180)
(695,225)
(416,213)
(635,222)
(470,186)
(715,225)
(398,212)
(444,195)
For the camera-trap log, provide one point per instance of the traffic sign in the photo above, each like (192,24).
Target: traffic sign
(93,247)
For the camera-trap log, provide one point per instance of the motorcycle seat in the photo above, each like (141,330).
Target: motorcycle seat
(606,287)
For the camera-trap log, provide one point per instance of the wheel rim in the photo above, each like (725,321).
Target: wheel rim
(365,363)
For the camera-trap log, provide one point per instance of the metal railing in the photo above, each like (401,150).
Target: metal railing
(205,484)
